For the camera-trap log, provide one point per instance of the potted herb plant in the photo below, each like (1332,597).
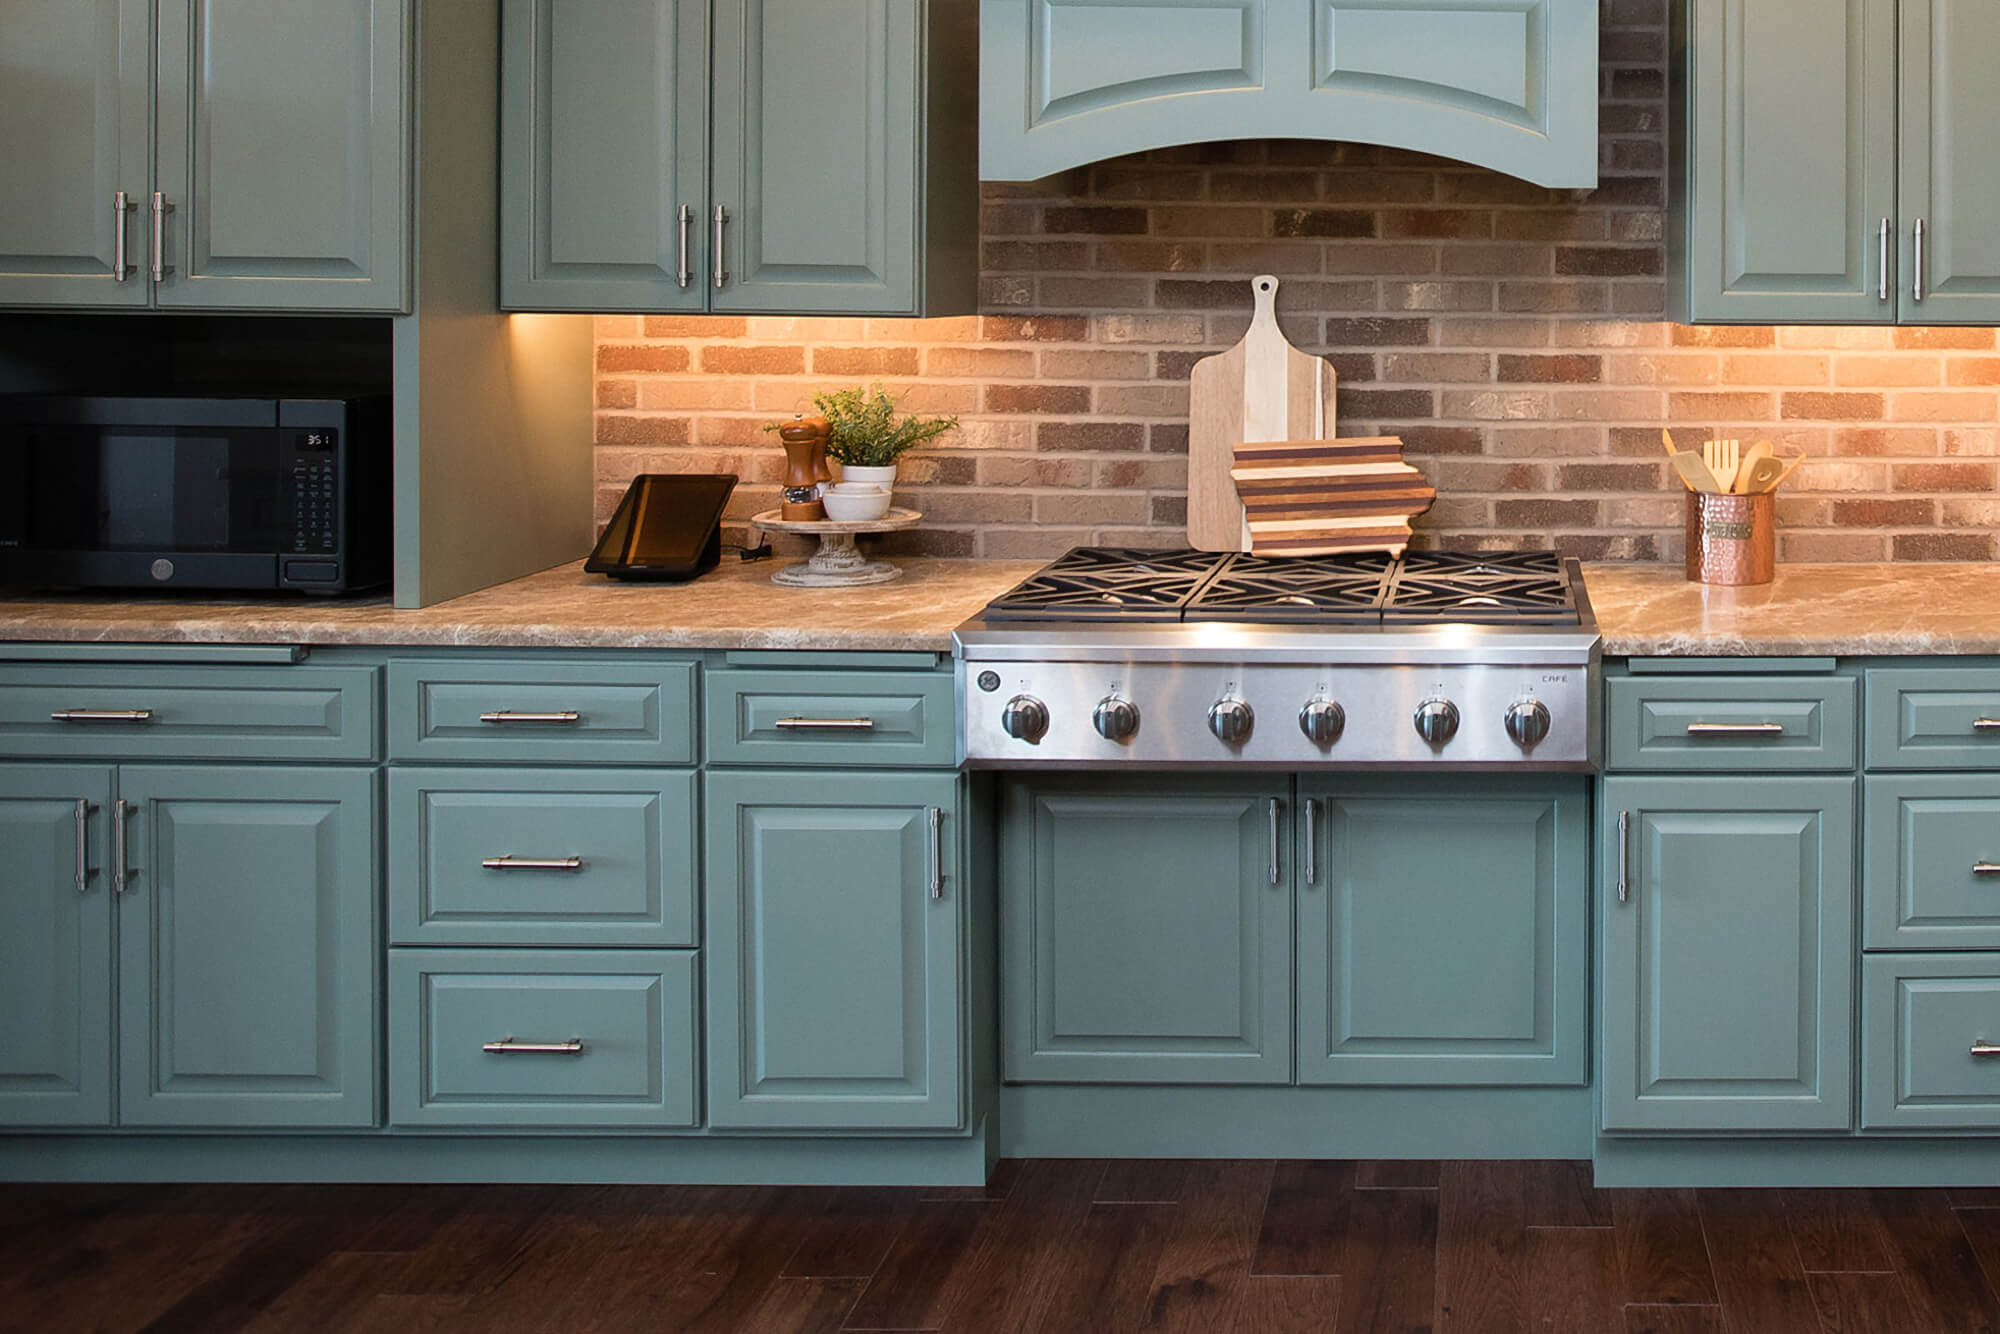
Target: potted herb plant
(868,436)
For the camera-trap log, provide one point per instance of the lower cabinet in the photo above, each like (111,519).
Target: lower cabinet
(1930,1042)
(835,950)
(542,1038)
(1444,930)
(246,949)
(1728,953)
(1146,930)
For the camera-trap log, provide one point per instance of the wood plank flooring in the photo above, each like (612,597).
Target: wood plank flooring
(1219,1247)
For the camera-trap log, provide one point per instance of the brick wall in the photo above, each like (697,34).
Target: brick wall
(1511,335)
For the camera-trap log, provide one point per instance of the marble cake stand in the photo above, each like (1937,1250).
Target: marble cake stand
(837,563)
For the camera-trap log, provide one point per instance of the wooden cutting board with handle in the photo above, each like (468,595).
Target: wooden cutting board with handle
(1262,389)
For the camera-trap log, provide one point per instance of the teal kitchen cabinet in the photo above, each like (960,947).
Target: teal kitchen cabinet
(261,153)
(1833,163)
(1727,911)
(1443,960)
(1146,930)
(248,946)
(1506,84)
(741,156)
(835,952)
(55,945)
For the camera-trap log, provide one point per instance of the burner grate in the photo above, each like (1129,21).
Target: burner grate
(1321,590)
(1109,583)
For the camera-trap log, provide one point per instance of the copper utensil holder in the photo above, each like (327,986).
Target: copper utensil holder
(1732,539)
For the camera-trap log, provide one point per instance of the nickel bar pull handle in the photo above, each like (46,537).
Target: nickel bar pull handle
(1917,285)
(1272,810)
(120,872)
(83,871)
(1985,868)
(160,210)
(532,863)
(1986,724)
(101,716)
(1312,840)
(502,717)
(1735,729)
(1882,264)
(825,724)
(511,1046)
(121,204)
(685,270)
(720,262)
(1624,856)
(1984,1049)
(935,814)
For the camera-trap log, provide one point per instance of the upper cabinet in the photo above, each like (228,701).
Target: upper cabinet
(1506,84)
(742,156)
(207,155)
(1834,162)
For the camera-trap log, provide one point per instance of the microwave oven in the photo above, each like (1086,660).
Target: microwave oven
(208,493)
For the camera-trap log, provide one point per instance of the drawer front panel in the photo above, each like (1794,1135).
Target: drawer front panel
(1923,1019)
(616,1028)
(1945,718)
(548,712)
(1707,723)
(1931,862)
(541,857)
(832,718)
(159,712)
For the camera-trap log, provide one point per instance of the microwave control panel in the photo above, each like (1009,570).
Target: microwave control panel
(313,484)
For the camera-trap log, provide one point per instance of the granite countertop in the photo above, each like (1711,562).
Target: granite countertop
(1809,610)
(735,607)
(1643,610)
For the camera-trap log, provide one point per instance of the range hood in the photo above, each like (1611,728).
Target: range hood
(1505,84)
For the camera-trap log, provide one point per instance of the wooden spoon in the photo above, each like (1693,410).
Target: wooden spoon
(1668,440)
(1695,473)
(1790,468)
(1760,476)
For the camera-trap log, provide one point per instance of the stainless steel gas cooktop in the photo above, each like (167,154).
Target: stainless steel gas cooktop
(1114,657)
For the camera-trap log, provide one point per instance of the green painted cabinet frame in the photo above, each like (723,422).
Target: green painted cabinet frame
(1443,960)
(277,137)
(1728,947)
(740,156)
(835,951)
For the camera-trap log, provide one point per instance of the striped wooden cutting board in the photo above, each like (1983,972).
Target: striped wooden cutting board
(1319,497)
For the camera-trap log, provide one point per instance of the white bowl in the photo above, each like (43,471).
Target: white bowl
(855,502)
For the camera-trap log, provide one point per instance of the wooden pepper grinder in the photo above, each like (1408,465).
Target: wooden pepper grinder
(805,467)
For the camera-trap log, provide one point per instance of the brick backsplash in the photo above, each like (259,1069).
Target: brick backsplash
(1512,335)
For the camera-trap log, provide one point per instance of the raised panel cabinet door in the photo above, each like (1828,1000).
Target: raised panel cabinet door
(836,904)
(604,155)
(284,149)
(76,81)
(1146,930)
(248,948)
(1950,162)
(1444,930)
(1791,130)
(816,148)
(1728,953)
(55,946)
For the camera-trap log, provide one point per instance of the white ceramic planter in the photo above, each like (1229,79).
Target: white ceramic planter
(882,477)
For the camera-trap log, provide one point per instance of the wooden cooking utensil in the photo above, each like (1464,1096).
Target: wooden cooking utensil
(1694,472)
(1759,476)
(1668,440)
(1790,468)
(1724,460)
(1262,389)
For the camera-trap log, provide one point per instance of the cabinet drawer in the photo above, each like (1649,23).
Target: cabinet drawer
(1923,1017)
(1701,723)
(1930,874)
(615,1028)
(541,857)
(1932,718)
(833,718)
(225,713)
(552,712)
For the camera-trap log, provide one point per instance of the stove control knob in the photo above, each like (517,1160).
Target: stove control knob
(1437,720)
(1231,720)
(1527,722)
(1116,719)
(1322,721)
(1025,719)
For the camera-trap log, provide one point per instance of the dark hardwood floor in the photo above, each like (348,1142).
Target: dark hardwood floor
(1258,1247)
